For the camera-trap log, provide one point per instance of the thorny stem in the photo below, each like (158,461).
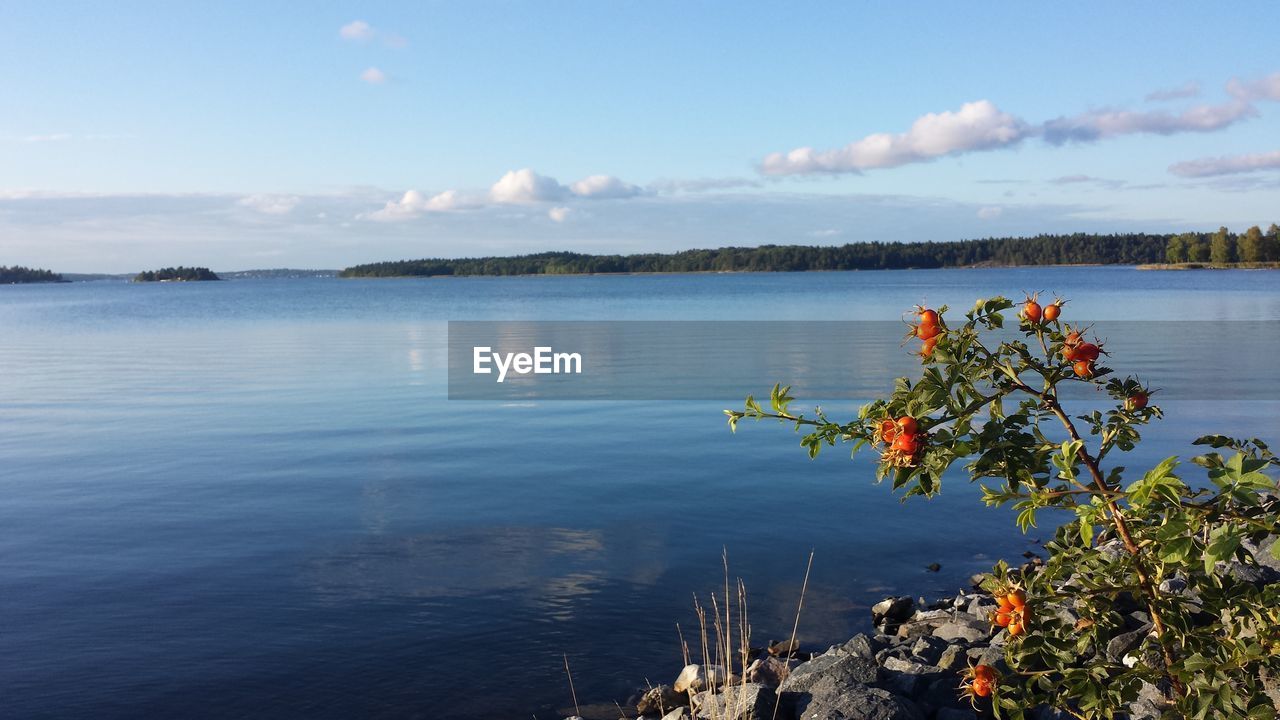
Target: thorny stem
(1050,402)
(1122,529)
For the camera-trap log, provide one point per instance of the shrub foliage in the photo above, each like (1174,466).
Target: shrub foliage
(1176,547)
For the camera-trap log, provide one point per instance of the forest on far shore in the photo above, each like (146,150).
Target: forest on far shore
(1221,247)
(18,274)
(1225,247)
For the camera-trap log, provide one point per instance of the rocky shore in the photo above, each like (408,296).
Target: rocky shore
(909,668)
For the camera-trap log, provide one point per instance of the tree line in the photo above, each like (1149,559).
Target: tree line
(1224,247)
(1073,249)
(180,273)
(18,274)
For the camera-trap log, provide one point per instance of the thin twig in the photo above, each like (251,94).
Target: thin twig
(572,692)
(796,625)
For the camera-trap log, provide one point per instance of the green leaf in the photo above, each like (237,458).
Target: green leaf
(1086,533)
(1177,550)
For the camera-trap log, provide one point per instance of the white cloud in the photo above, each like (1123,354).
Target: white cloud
(1099,124)
(270,204)
(48,137)
(1187,90)
(356,30)
(825,233)
(558,214)
(696,185)
(414,203)
(980,125)
(975,126)
(1088,180)
(990,212)
(604,187)
(1267,88)
(1227,165)
(521,187)
(374,76)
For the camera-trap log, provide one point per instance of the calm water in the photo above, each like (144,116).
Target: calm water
(252,499)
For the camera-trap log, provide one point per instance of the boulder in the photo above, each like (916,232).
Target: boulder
(954,657)
(770,671)
(659,700)
(785,648)
(749,701)
(981,607)
(841,667)
(929,649)
(1271,687)
(696,678)
(892,610)
(831,700)
(681,713)
(1125,643)
(1258,575)
(907,677)
(916,629)
(1262,552)
(960,631)
(863,646)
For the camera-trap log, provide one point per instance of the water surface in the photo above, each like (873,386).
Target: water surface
(252,499)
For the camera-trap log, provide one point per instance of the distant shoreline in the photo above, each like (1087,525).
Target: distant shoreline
(1210,266)
(741,272)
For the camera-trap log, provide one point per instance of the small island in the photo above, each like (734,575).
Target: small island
(178,274)
(21,275)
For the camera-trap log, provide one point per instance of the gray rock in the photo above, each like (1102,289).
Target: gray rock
(892,610)
(1271,687)
(912,630)
(862,646)
(909,678)
(785,648)
(1113,549)
(749,701)
(957,631)
(660,699)
(1254,574)
(986,655)
(695,678)
(1261,552)
(770,671)
(929,649)
(1173,586)
(840,667)
(937,615)
(902,652)
(1125,643)
(982,606)
(830,700)
(678,714)
(954,657)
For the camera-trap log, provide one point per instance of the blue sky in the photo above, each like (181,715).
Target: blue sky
(241,135)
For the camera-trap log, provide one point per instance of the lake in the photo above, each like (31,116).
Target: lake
(253,499)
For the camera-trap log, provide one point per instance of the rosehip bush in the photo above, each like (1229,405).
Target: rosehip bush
(1173,556)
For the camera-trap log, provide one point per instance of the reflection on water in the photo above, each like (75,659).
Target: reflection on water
(253,499)
(477,561)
